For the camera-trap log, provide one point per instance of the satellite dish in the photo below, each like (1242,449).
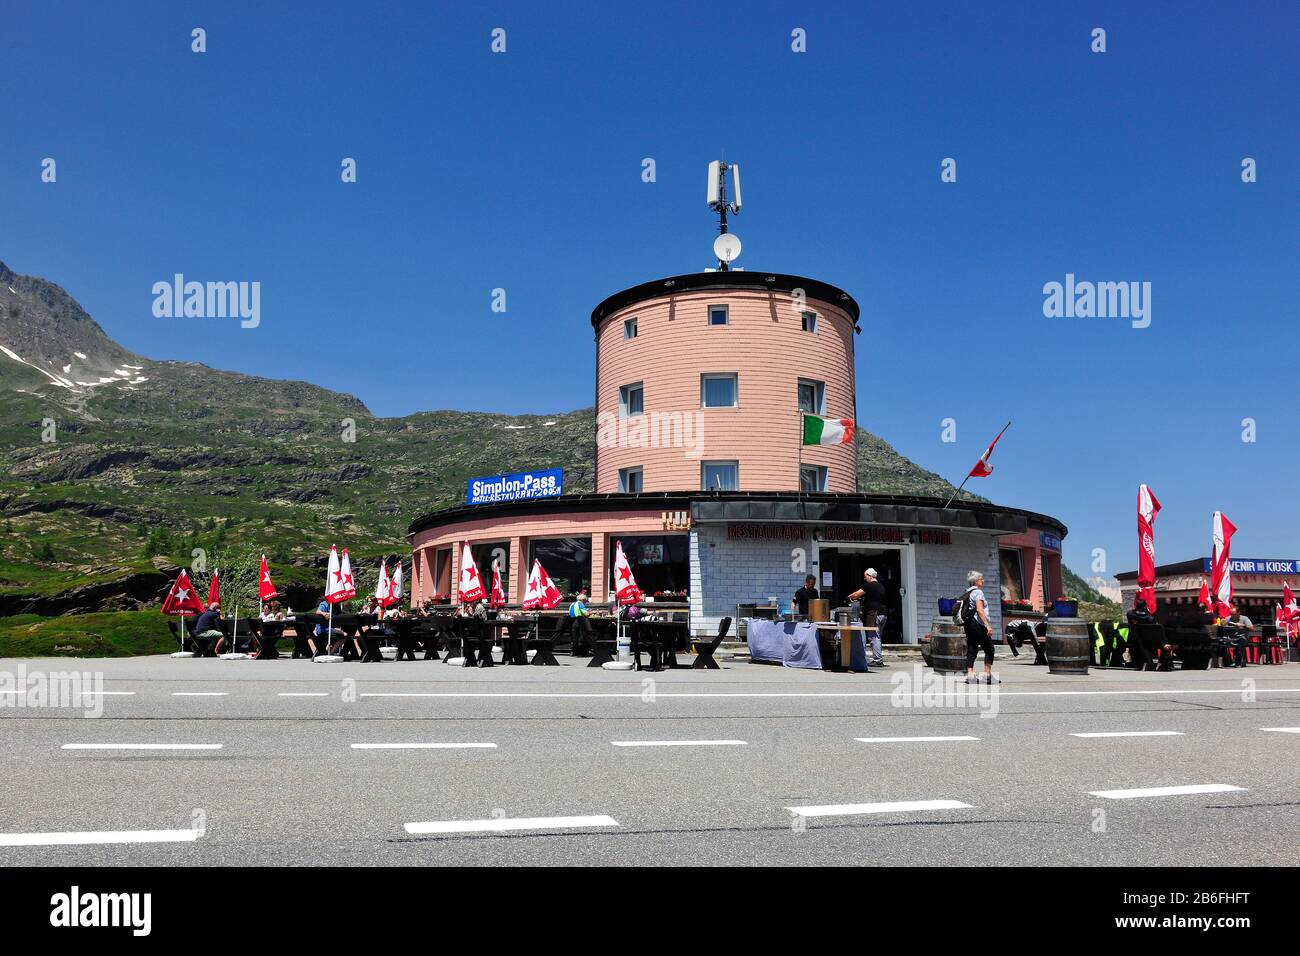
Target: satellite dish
(727,247)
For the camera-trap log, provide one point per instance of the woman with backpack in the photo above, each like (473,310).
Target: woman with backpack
(979,629)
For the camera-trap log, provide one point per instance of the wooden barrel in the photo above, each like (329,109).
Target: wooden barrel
(1067,645)
(947,646)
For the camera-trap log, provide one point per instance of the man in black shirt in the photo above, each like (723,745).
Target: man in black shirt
(805,594)
(871,602)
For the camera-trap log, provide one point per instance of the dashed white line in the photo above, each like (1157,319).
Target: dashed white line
(141,746)
(1134,733)
(200,693)
(678,743)
(1281,730)
(426,746)
(907,740)
(93,837)
(504,824)
(83,693)
(900,806)
(1164,791)
(315,693)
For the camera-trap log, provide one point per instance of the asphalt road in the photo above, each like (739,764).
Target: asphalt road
(576,766)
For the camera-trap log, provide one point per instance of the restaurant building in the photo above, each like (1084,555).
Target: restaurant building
(702,381)
(1256,587)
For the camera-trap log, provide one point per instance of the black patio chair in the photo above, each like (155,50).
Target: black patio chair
(704,649)
(543,640)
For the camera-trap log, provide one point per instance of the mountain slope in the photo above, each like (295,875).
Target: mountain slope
(150,462)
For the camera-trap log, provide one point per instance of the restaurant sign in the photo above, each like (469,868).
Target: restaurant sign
(1048,541)
(1259,566)
(866,534)
(518,487)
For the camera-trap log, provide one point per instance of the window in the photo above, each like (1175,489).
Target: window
(1011,571)
(660,562)
(812,478)
(631,480)
(442,572)
(629,328)
(718,315)
(566,560)
(812,396)
(718,390)
(483,555)
(720,476)
(810,322)
(631,400)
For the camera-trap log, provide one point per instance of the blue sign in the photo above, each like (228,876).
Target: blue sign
(1048,541)
(517,487)
(1258,566)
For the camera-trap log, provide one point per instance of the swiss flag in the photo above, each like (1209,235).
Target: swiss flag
(982,467)
(214,589)
(265,589)
(182,599)
(542,594)
(625,589)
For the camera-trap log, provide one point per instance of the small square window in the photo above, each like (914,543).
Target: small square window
(720,476)
(629,328)
(631,480)
(812,396)
(812,478)
(810,322)
(718,391)
(631,400)
(718,315)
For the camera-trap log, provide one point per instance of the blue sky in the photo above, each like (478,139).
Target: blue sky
(522,171)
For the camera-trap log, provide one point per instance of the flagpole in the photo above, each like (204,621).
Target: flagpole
(983,459)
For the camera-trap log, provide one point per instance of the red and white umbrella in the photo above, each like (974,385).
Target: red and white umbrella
(471,585)
(498,598)
(1221,564)
(182,599)
(1148,508)
(338,578)
(625,589)
(265,589)
(214,589)
(542,594)
(383,585)
(395,590)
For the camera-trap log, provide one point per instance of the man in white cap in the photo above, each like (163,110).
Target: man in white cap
(871,602)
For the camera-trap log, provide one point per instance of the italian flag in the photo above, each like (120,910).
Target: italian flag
(827,431)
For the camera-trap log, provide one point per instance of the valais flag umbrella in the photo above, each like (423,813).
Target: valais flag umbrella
(182,599)
(338,578)
(471,585)
(382,585)
(265,589)
(625,589)
(498,598)
(395,591)
(541,594)
(1221,565)
(1148,508)
(214,589)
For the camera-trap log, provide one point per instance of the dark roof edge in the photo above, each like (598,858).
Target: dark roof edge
(695,281)
(681,500)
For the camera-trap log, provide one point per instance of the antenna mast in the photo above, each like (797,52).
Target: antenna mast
(726,249)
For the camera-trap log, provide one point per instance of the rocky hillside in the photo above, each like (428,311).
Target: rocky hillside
(115,469)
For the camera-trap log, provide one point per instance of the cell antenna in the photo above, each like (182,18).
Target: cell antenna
(727,246)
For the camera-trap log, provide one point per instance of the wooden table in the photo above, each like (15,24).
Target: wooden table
(843,634)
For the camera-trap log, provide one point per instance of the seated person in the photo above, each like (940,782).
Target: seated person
(207,629)
(323,609)
(581,626)
(805,594)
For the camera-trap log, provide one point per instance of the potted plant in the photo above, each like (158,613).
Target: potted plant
(1066,607)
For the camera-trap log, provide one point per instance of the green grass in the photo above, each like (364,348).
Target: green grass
(110,634)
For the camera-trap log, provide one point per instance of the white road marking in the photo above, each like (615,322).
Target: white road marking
(637,695)
(1164,791)
(105,836)
(906,740)
(678,743)
(1134,733)
(200,693)
(141,747)
(1281,730)
(433,746)
(901,806)
(505,823)
(319,693)
(84,693)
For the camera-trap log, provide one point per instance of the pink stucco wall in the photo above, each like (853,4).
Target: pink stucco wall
(599,526)
(765,345)
(1034,559)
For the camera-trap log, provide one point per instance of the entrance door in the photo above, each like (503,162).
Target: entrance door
(847,565)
